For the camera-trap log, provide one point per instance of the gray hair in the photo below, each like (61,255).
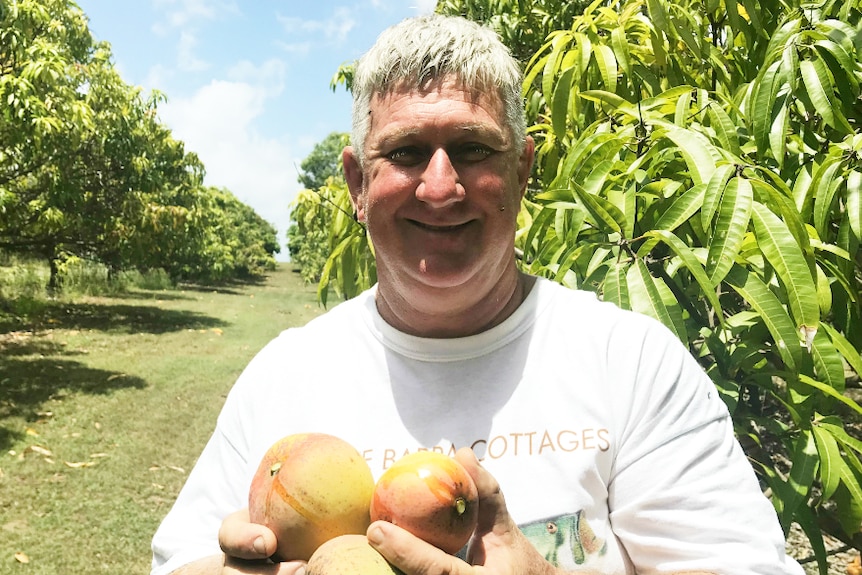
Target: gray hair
(419,50)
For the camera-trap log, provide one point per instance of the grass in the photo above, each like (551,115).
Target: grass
(105,403)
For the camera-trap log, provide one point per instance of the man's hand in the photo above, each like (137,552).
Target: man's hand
(247,548)
(497,547)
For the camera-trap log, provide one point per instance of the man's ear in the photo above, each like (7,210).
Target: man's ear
(525,163)
(353,176)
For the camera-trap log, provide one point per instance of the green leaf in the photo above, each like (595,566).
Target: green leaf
(830,460)
(825,183)
(853,202)
(818,84)
(803,470)
(830,391)
(835,426)
(713,193)
(725,129)
(850,510)
(808,523)
(682,109)
(845,348)
(620,45)
(734,213)
(607,63)
(827,361)
(598,176)
(645,297)
(549,72)
(762,101)
(783,253)
(561,102)
(606,216)
(779,130)
(658,14)
(845,62)
(695,152)
(682,209)
(774,316)
(615,289)
(693,265)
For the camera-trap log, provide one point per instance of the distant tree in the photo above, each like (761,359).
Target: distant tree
(324,161)
(312,210)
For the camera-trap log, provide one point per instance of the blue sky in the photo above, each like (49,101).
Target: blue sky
(247,81)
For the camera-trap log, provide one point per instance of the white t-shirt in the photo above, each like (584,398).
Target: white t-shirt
(612,446)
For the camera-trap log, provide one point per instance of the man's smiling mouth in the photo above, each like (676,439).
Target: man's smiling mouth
(439,228)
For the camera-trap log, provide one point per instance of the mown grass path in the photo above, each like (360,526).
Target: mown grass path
(104,405)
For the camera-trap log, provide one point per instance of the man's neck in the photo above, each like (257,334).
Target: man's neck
(450,312)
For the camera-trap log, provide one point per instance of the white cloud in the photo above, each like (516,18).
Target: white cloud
(180,13)
(218,122)
(186,59)
(334,29)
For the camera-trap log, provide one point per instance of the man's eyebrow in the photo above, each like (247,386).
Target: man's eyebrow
(406,133)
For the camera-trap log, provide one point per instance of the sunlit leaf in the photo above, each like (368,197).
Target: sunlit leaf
(830,391)
(645,297)
(734,213)
(771,312)
(615,288)
(820,87)
(778,246)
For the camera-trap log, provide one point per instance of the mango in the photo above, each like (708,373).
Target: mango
(308,489)
(349,555)
(430,495)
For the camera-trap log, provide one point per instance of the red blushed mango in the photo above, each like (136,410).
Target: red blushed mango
(310,488)
(430,495)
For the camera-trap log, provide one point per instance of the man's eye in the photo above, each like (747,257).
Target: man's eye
(406,155)
(473,152)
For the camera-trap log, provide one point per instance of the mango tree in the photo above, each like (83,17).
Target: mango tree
(699,162)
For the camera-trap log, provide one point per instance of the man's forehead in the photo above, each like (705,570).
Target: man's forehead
(473,94)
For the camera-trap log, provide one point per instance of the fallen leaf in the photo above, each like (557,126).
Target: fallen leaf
(37,449)
(31,431)
(97,455)
(158,486)
(217,331)
(77,464)
(154,468)
(44,414)
(115,376)
(21,557)
(175,468)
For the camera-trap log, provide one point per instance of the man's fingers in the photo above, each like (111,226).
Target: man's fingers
(492,504)
(240,538)
(412,555)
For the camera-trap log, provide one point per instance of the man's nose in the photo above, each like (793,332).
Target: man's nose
(440,185)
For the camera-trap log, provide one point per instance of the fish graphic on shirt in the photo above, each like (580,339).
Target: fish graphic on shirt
(565,540)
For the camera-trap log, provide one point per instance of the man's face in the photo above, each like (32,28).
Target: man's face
(441,185)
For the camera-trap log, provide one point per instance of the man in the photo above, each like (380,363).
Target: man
(613,448)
